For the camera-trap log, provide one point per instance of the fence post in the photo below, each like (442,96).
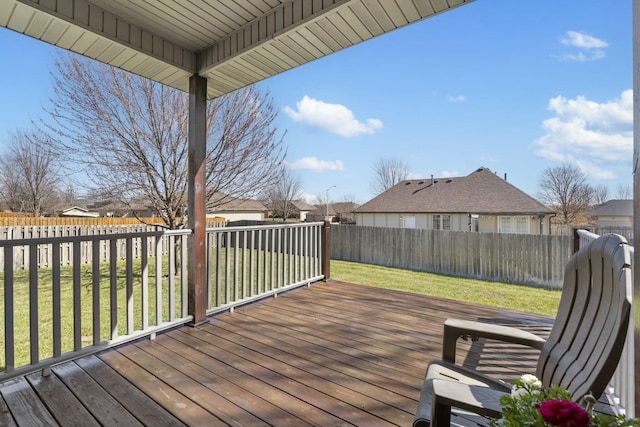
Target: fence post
(326,250)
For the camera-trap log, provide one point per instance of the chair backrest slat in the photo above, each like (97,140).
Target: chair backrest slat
(586,340)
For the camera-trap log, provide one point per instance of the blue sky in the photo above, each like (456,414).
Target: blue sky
(515,86)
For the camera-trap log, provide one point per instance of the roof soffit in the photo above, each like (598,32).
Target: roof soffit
(233,43)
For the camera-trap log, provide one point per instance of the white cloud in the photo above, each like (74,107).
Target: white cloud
(450,174)
(312,163)
(458,98)
(597,137)
(583,41)
(590,48)
(335,118)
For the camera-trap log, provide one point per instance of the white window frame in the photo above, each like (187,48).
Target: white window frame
(446,222)
(409,221)
(441,222)
(516,224)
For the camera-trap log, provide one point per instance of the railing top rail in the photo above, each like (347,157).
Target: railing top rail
(263,227)
(588,236)
(90,237)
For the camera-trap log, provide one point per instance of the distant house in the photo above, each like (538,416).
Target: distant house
(301,209)
(80,212)
(614,215)
(480,201)
(342,212)
(345,212)
(234,209)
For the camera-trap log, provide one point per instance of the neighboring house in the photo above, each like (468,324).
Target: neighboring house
(117,209)
(301,209)
(238,209)
(77,211)
(322,212)
(342,212)
(614,215)
(480,201)
(345,212)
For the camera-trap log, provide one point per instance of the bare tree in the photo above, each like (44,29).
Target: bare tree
(565,189)
(600,194)
(387,173)
(30,174)
(624,191)
(131,136)
(283,192)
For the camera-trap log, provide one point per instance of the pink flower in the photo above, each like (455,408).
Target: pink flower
(563,413)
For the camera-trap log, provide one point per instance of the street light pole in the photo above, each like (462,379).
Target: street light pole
(326,196)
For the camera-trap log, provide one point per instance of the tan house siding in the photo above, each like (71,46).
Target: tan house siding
(459,222)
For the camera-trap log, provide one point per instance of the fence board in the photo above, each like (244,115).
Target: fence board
(512,258)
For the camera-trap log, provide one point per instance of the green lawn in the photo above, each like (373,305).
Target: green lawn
(524,298)
(517,297)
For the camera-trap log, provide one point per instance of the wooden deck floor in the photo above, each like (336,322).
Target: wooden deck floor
(332,354)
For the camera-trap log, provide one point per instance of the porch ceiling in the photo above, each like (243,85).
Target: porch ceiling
(233,43)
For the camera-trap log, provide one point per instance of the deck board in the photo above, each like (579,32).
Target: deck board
(332,354)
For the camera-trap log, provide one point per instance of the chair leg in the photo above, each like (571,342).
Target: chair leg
(440,413)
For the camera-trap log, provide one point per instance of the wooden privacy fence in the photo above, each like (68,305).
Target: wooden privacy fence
(44,257)
(510,258)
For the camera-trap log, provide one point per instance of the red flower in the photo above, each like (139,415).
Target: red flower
(563,413)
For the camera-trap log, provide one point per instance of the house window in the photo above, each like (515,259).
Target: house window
(446,222)
(441,222)
(409,222)
(514,224)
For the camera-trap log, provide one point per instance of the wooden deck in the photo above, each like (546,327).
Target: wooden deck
(332,354)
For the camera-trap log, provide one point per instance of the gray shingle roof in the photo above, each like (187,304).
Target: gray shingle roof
(233,204)
(481,192)
(619,207)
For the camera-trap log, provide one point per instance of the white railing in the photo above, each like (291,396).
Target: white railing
(249,263)
(61,311)
(622,387)
(74,295)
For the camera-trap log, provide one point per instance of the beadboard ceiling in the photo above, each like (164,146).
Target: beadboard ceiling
(233,43)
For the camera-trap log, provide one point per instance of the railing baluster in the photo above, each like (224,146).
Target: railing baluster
(113,286)
(95,288)
(183,274)
(244,264)
(173,242)
(209,242)
(158,275)
(77,302)
(129,285)
(33,304)
(218,299)
(9,331)
(55,291)
(261,265)
(278,254)
(252,264)
(227,267)
(144,266)
(236,294)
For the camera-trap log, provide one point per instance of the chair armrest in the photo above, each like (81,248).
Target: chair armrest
(479,400)
(456,328)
